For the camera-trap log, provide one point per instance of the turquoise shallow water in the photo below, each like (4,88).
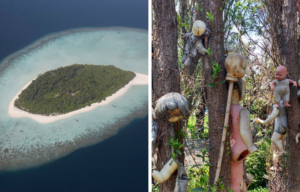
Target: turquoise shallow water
(25,143)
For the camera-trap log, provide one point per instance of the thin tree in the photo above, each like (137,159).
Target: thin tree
(216,97)
(165,76)
(284,22)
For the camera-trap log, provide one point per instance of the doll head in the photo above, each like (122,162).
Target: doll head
(235,65)
(199,28)
(281,72)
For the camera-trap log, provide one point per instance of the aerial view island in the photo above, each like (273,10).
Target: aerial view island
(70,88)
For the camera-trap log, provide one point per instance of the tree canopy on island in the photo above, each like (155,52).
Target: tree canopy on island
(70,88)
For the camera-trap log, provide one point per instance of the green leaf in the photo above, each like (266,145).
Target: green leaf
(178,151)
(198,189)
(180,146)
(184,25)
(208,163)
(178,18)
(211,85)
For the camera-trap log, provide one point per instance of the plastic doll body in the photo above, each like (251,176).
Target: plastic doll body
(280,127)
(236,175)
(166,172)
(241,138)
(282,89)
(241,142)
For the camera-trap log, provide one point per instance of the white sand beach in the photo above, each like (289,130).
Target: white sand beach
(14,112)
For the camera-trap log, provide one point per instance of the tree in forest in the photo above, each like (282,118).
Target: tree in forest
(165,77)
(216,96)
(265,31)
(284,23)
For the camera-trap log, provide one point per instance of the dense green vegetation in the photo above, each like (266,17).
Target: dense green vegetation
(70,88)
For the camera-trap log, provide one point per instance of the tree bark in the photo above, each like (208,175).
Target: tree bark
(285,26)
(216,97)
(166,77)
(289,51)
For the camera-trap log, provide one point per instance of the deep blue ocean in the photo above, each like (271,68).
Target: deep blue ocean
(119,163)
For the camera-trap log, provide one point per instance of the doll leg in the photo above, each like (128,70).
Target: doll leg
(236,175)
(245,130)
(286,99)
(277,99)
(276,140)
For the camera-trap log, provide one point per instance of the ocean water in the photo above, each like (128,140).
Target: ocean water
(42,35)
(116,164)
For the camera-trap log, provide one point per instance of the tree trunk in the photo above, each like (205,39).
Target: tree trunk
(182,11)
(285,29)
(216,98)
(290,58)
(165,77)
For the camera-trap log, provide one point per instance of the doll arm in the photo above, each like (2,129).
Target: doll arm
(272,84)
(294,83)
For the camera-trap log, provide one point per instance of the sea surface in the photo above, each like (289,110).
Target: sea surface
(118,163)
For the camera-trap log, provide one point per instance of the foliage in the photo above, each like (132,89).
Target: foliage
(70,88)
(176,145)
(259,189)
(257,164)
(195,132)
(199,174)
(155,188)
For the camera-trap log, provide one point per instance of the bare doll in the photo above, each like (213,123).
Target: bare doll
(280,128)
(281,83)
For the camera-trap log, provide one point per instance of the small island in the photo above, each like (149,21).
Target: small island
(71,88)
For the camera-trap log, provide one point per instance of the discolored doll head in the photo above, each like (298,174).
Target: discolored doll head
(199,28)
(235,65)
(281,73)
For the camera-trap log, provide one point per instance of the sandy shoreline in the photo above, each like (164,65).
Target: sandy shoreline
(14,112)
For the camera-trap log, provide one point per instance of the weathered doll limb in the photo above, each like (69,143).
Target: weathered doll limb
(293,82)
(166,172)
(297,137)
(270,118)
(275,159)
(286,104)
(286,99)
(236,175)
(272,85)
(245,130)
(199,46)
(277,141)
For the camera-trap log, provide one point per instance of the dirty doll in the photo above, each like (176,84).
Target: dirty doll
(281,83)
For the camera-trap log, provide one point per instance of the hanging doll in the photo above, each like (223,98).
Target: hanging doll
(281,83)
(280,128)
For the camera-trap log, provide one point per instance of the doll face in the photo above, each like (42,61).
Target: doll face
(236,64)
(281,73)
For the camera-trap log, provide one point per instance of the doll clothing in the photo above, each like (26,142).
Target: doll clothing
(282,90)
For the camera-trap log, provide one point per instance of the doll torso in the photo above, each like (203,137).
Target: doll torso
(282,87)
